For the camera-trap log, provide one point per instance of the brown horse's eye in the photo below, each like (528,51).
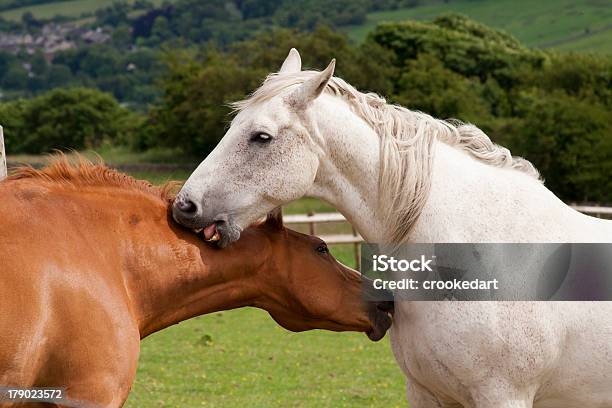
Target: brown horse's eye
(323,249)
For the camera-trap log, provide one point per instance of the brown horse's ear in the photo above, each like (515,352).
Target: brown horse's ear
(275,218)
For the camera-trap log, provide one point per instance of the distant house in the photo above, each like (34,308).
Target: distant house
(53,38)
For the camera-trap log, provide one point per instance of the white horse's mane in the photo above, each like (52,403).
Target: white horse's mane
(406,146)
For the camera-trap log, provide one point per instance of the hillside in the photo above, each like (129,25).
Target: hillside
(67,8)
(580,25)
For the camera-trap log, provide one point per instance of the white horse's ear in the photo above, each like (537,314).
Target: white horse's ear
(312,88)
(293,62)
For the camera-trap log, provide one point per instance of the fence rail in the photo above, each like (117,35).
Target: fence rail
(311,220)
(593,210)
(325,218)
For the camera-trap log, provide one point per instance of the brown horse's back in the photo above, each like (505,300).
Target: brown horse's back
(61,293)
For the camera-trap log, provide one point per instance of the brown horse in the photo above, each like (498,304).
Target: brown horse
(91,262)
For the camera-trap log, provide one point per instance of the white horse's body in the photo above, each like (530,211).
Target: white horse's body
(454,354)
(483,354)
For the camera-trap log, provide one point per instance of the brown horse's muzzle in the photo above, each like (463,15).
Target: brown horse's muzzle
(379,313)
(379,306)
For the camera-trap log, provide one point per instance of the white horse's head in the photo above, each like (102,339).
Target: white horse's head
(309,133)
(268,157)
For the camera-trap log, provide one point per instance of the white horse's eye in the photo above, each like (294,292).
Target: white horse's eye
(261,137)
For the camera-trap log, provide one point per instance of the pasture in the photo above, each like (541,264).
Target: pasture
(582,25)
(242,358)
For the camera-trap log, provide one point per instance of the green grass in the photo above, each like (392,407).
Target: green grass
(123,155)
(601,42)
(561,23)
(242,358)
(160,178)
(70,8)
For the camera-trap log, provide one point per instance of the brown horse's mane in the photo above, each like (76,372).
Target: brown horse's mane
(84,173)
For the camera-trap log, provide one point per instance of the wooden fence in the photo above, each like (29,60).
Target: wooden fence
(594,210)
(311,220)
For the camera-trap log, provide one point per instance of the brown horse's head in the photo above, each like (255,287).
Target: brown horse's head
(304,287)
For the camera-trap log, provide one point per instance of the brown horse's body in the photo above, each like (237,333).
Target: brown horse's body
(91,262)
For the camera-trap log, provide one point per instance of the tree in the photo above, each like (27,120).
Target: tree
(160,30)
(194,111)
(568,140)
(15,76)
(62,119)
(426,85)
(368,67)
(464,46)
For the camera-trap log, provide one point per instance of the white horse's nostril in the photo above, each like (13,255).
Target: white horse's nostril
(186,206)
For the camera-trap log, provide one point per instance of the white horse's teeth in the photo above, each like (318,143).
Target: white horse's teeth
(198,230)
(215,237)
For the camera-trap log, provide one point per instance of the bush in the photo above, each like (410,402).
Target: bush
(428,86)
(464,46)
(569,141)
(62,119)
(194,112)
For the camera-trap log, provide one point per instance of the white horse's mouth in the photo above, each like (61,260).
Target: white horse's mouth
(214,238)
(221,232)
(210,233)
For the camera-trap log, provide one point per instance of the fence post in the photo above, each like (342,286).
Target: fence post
(3,171)
(357,250)
(311,224)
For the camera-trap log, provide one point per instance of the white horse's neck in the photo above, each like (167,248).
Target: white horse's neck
(469,201)
(349,167)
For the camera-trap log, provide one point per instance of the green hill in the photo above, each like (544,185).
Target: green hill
(68,8)
(580,25)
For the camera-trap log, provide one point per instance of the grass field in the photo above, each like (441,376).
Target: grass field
(581,25)
(241,358)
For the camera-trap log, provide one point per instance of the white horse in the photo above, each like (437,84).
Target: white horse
(403,176)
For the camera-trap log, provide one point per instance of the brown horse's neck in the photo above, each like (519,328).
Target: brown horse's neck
(120,229)
(172,275)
